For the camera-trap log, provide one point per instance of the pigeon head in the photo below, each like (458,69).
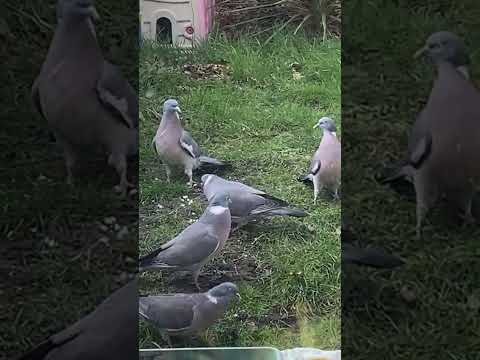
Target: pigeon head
(226,289)
(171,106)
(220,200)
(444,46)
(326,123)
(77,9)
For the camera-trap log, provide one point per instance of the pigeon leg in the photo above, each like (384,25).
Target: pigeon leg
(119,162)
(196,274)
(238,225)
(336,196)
(426,197)
(468,218)
(421,213)
(189,173)
(317,187)
(168,171)
(70,161)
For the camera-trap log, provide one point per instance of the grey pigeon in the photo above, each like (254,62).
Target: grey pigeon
(86,101)
(443,145)
(197,244)
(176,147)
(326,168)
(372,257)
(109,332)
(247,203)
(183,314)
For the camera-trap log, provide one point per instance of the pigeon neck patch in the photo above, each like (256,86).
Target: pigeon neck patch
(464,71)
(212,299)
(217,210)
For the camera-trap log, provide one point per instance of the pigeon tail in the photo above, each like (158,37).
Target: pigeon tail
(43,349)
(146,261)
(376,259)
(289,212)
(39,352)
(209,164)
(399,180)
(306,179)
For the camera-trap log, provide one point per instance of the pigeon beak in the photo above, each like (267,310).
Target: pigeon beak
(420,52)
(239,296)
(316,126)
(95,15)
(177,109)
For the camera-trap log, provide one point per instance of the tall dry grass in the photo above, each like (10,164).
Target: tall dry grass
(312,16)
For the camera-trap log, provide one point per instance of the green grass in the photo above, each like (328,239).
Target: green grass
(260,118)
(53,267)
(383,90)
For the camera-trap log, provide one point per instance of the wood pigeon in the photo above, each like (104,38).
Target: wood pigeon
(326,168)
(176,147)
(247,203)
(109,332)
(197,244)
(184,314)
(86,101)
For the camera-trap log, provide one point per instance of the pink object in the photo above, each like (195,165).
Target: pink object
(206,14)
(181,22)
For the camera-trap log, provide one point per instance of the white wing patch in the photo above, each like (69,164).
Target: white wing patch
(212,299)
(315,168)
(217,210)
(209,178)
(189,148)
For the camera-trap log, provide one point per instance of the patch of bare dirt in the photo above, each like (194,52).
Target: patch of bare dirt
(206,71)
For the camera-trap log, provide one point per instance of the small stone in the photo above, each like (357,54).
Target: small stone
(123,233)
(104,240)
(110,220)
(49,242)
(473,303)
(408,294)
(311,228)
(130,260)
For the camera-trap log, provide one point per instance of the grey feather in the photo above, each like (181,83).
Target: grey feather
(197,244)
(248,204)
(181,314)
(372,257)
(110,331)
(445,135)
(325,167)
(85,100)
(177,148)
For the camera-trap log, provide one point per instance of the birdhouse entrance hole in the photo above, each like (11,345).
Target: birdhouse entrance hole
(164,31)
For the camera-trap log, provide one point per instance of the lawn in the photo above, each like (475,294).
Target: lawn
(259,115)
(428,309)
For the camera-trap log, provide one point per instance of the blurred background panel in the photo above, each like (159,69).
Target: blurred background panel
(428,307)
(63,249)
